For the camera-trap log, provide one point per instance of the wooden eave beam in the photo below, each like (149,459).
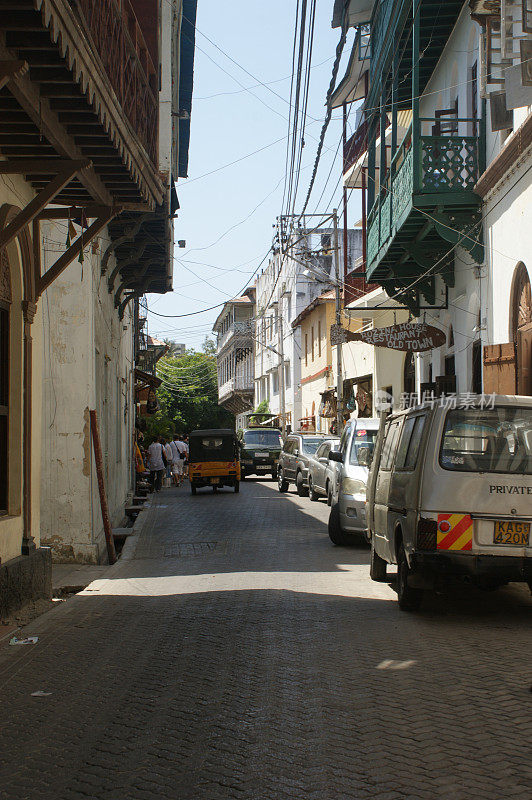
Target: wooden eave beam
(38,110)
(41,200)
(44,281)
(11,69)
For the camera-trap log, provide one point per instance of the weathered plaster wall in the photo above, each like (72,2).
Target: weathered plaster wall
(87,356)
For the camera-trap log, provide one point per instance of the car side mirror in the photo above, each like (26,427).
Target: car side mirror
(295,453)
(336,455)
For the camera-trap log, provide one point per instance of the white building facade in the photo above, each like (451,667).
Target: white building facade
(449,230)
(283,291)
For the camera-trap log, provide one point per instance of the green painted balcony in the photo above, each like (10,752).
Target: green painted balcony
(425,206)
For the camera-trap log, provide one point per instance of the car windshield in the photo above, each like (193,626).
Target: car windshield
(309,446)
(488,440)
(264,438)
(362,446)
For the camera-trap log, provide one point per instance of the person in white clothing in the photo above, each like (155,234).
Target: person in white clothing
(156,464)
(169,458)
(177,470)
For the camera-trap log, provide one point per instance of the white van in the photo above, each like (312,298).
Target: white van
(450,494)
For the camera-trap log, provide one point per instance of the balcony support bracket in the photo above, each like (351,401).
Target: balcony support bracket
(461,228)
(65,173)
(44,281)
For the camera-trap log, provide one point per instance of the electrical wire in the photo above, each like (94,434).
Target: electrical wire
(332,85)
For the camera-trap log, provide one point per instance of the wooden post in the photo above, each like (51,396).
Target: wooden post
(101,487)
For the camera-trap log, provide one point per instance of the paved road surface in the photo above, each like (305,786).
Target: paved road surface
(240,655)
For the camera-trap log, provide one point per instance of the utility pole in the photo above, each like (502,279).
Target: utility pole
(282,399)
(338,297)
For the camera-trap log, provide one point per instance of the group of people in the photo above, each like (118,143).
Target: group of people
(168,457)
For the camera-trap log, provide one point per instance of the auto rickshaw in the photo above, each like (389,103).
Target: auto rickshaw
(214,459)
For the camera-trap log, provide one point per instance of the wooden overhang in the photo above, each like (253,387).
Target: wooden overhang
(65,106)
(142,257)
(437,20)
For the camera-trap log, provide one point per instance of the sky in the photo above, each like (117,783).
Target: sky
(227,214)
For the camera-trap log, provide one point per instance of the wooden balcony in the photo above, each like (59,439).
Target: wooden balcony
(427,204)
(86,91)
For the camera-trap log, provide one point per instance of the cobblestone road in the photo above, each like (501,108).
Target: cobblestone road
(240,655)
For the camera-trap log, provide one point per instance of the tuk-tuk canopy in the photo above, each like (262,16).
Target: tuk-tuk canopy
(215,444)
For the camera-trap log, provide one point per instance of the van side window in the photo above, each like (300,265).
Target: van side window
(415,442)
(288,445)
(388,450)
(409,443)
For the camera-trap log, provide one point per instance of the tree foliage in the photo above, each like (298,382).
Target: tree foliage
(188,395)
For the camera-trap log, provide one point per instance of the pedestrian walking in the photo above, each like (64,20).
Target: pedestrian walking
(178,450)
(169,458)
(185,462)
(156,463)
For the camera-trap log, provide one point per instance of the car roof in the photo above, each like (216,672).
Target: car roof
(213,432)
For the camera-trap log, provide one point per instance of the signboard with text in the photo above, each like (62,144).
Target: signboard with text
(413,337)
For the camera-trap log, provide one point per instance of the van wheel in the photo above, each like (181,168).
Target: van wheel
(214,489)
(312,492)
(301,489)
(237,486)
(336,534)
(377,566)
(281,482)
(192,489)
(242,475)
(409,598)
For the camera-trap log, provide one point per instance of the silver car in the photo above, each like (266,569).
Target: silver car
(321,470)
(347,520)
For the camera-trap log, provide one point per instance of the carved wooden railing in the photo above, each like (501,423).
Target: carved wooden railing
(115,34)
(444,165)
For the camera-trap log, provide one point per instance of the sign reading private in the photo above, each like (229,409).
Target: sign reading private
(414,337)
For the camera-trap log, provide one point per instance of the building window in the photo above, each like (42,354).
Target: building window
(275,382)
(319,338)
(474,98)
(306,349)
(287,378)
(4,404)
(312,342)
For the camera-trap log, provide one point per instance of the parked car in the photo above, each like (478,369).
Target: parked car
(294,460)
(321,470)
(259,451)
(347,520)
(450,494)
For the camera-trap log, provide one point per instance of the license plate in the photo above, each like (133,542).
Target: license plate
(215,480)
(511,533)
(265,467)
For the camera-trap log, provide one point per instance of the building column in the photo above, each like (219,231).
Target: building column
(29,309)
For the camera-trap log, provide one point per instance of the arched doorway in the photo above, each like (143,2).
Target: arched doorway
(521,324)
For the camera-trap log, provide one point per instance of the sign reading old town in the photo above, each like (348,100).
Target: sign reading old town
(414,337)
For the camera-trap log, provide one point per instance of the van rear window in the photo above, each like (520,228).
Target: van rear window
(488,440)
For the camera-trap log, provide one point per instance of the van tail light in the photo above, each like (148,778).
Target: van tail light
(427,532)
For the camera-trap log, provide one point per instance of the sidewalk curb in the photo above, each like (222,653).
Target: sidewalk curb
(130,545)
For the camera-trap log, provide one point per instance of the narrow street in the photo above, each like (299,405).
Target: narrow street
(238,654)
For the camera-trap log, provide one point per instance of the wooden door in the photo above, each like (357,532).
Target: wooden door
(524,359)
(500,368)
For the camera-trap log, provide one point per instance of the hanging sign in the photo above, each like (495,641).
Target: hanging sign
(414,337)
